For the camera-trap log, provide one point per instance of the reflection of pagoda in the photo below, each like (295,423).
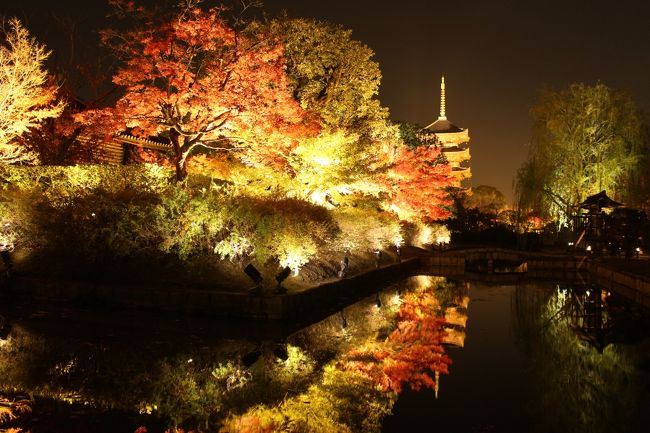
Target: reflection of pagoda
(456,322)
(454,140)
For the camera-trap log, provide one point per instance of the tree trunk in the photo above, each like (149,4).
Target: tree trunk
(181,168)
(180,156)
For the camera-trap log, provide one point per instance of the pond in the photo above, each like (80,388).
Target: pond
(426,353)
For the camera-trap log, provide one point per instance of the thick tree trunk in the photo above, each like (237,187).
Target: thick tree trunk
(180,156)
(181,168)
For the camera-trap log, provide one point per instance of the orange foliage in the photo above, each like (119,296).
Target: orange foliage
(412,353)
(416,183)
(192,79)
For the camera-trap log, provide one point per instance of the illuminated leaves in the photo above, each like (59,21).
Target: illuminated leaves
(27,97)
(416,183)
(586,139)
(191,80)
(335,76)
(412,352)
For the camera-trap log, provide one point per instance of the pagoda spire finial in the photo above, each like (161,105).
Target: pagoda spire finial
(442,100)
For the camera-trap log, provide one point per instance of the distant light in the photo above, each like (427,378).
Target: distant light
(570,244)
(588,247)
(638,250)
(189,361)
(588,293)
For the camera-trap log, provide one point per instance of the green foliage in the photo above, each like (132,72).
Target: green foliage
(330,167)
(297,365)
(334,75)
(486,198)
(187,392)
(364,229)
(593,391)
(586,139)
(409,133)
(97,213)
(342,402)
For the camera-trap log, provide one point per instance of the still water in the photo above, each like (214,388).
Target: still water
(530,357)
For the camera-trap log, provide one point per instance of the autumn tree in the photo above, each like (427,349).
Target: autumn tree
(412,354)
(27,97)
(194,80)
(417,182)
(56,141)
(586,139)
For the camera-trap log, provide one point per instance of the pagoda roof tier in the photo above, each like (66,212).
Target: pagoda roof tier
(455,156)
(443,126)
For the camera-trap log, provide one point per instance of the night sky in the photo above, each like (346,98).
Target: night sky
(495,56)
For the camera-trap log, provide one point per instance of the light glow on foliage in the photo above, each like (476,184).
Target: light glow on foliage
(8,237)
(294,260)
(325,161)
(26,97)
(431,234)
(443,238)
(423,235)
(234,246)
(298,362)
(319,197)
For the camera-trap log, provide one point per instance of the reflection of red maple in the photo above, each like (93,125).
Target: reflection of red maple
(412,353)
(196,81)
(417,181)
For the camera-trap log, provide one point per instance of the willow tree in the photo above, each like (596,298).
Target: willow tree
(27,98)
(585,139)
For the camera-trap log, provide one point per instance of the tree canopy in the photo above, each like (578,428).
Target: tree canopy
(585,139)
(334,75)
(486,198)
(27,97)
(195,80)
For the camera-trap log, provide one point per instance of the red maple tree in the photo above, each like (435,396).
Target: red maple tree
(412,353)
(194,80)
(416,184)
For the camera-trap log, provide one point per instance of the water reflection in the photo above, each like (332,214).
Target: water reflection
(528,351)
(586,372)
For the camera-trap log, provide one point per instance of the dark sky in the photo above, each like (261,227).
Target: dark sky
(495,55)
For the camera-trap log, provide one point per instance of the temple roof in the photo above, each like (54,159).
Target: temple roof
(443,125)
(599,201)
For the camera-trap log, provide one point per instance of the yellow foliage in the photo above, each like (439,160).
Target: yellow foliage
(430,234)
(334,165)
(366,229)
(26,99)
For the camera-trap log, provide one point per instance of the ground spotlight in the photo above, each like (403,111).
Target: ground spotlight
(254,275)
(280,277)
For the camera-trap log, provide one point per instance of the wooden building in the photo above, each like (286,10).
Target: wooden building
(453,139)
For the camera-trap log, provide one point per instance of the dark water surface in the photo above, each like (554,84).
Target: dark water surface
(531,357)
(528,365)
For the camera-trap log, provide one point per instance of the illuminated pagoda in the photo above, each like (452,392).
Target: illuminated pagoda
(453,139)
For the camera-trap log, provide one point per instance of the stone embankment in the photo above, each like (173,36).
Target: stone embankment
(489,264)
